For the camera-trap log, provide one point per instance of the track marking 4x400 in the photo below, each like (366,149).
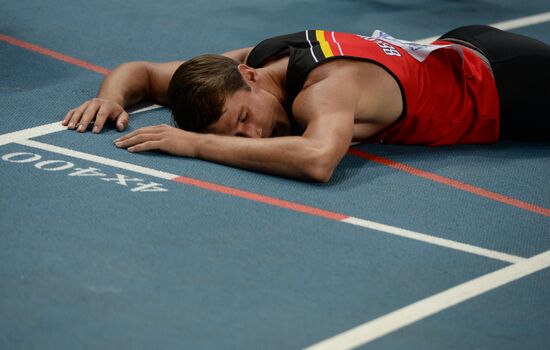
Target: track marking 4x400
(276,202)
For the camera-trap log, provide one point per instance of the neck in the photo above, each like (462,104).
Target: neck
(273,79)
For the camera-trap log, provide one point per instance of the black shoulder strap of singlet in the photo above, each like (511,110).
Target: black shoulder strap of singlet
(274,47)
(300,63)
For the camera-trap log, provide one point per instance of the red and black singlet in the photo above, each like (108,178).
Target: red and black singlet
(449,93)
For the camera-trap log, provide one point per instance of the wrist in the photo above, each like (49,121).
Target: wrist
(200,142)
(113,98)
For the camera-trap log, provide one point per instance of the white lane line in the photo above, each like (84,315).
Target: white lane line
(51,128)
(97,159)
(523,22)
(434,240)
(145,109)
(349,220)
(505,25)
(31,132)
(403,317)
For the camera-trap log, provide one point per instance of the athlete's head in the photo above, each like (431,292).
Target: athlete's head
(213,93)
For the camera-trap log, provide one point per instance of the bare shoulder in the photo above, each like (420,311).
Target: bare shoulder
(368,90)
(326,113)
(327,91)
(357,93)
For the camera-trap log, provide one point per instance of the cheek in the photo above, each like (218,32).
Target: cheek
(272,108)
(265,110)
(260,111)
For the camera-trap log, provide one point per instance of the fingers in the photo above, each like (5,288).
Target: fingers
(136,141)
(145,130)
(160,137)
(81,116)
(73,117)
(96,111)
(145,146)
(88,115)
(122,121)
(68,116)
(110,112)
(101,117)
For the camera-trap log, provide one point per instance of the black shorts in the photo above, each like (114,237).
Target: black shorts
(521,66)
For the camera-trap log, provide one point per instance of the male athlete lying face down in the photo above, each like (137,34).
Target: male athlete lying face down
(291,105)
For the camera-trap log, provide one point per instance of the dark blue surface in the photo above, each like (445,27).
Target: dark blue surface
(88,264)
(108,33)
(374,192)
(132,269)
(36,90)
(521,168)
(514,316)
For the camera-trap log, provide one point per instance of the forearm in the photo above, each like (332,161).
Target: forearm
(127,85)
(302,157)
(292,156)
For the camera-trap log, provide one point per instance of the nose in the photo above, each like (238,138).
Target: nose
(250,130)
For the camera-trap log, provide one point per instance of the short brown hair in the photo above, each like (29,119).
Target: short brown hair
(198,90)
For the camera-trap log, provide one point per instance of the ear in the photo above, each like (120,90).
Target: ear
(250,75)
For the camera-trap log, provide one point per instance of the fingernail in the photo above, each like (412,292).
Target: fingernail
(81,128)
(96,129)
(71,125)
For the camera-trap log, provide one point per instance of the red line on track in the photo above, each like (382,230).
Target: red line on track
(289,205)
(56,55)
(261,198)
(452,183)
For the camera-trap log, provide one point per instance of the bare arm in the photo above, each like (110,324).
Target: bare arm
(133,82)
(312,156)
(127,85)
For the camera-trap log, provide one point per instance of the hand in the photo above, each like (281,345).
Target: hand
(97,110)
(162,138)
